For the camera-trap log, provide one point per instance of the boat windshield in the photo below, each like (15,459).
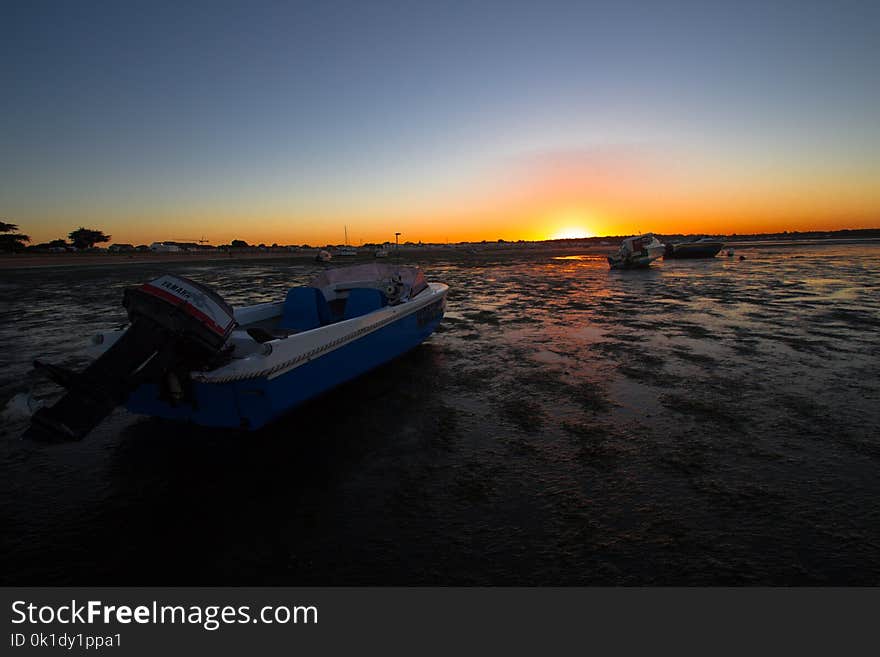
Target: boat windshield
(373,275)
(637,242)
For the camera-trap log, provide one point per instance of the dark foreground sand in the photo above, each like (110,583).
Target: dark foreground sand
(702,422)
(42,260)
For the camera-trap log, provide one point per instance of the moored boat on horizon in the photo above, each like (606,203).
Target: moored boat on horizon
(187,355)
(705,247)
(637,252)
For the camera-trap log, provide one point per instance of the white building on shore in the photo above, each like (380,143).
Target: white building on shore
(164,247)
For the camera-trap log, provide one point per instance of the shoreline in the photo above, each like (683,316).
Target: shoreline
(14,261)
(53,260)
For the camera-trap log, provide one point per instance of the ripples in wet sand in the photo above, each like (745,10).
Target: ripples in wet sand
(700,422)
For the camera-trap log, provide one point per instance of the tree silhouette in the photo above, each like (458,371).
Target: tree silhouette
(14,241)
(54,244)
(86,238)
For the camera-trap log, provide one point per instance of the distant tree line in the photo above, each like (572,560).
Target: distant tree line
(10,240)
(86,238)
(80,239)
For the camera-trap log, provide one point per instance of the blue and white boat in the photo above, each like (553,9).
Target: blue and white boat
(188,356)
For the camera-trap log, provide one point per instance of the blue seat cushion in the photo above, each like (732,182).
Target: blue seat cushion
(363,300)
(305,308)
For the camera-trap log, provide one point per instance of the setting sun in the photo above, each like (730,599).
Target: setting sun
(570,234)
(569,223)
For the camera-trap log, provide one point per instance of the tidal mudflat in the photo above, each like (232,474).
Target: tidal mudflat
(700,422)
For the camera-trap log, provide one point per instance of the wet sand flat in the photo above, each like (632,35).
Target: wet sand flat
(71,260)
(701,422)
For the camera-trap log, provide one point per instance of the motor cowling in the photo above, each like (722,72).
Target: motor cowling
(177,326)
(186,309)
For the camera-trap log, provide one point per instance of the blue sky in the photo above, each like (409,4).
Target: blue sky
(121,111)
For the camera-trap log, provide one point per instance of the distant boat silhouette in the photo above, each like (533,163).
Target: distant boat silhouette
(705,247)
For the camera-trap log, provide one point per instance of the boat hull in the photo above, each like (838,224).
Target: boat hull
(254,402)
(640,262)
(636,261)
(693,250)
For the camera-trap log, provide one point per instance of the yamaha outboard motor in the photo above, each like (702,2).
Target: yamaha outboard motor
(177,325)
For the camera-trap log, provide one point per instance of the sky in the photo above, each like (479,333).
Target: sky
(282,122)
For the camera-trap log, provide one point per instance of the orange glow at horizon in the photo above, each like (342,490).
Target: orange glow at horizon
(511,225)
(549,196)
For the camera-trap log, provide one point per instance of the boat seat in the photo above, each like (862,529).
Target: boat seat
(363,300)
(247,343)
(305,308)
(265,335)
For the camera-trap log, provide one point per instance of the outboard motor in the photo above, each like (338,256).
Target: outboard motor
(177,325)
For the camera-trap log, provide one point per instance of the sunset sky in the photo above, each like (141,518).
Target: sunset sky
(286,122)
